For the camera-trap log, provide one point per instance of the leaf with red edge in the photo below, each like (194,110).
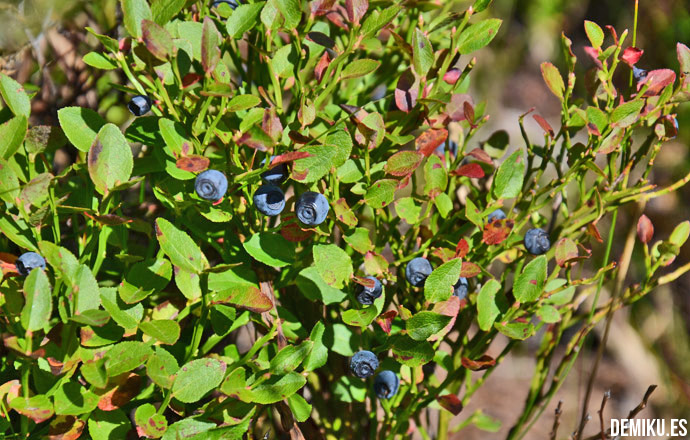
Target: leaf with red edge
(121,391)
(157,40)
(190,79)
(337,17)
(210,42)
(244,296)
(291,230)
(469,270)
(321,66)
(271,124)
(193,163)
(473,170)
(356,9)
(480,155)
(343,213)
(451,403)
(631,55)
(450,307)
(456,106)
(385,320)
(594,232)
(452,76)
(298,137)
(406,91)
(566,251)
(366,282)
(593,54)
(375,264)
(461,249)
(645,229)
(657,80)
(38,408)
(321,7)
(544,125)
(497,231)
(289,157)
(65,428)
(468,111)
(428,141)
(403,163)
(553,79)
(483,363)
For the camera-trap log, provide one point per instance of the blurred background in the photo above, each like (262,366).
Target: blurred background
(42,43)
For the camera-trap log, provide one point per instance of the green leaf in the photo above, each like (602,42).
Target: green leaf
(126,356)
(548,314)
(594,33)
(14,96)
(364,317)
(210,50)
(239,286)
(422,53)
(134,12)
(36,191)
(412,353)
(12,134)
(110,159)
(277,388)
(359,240)
(444,204)
(179,247)
(359,68)
(175,137)
(315,288)
(165,331)
(72,399)
(425,324)
(149,423)
(81,126)
(271,249)
(597,117)
(109,424)
(164,10)
(530,283)
(508,181)
(381,193)
(196,378)
(439,285)
(125,315)
(435,176)
(300,408)
(408,210)
(292,11)
(157,40)
(553,79)
(487,310)
(403,163)
(38,301)
(189,429)
(515,330)
(161,368)
(290,357)
(38,408)
(349,389)
(92,317)
(243,18)
(242,102)
(145,278)
(478,35)
(318,355)
(626,113)
(99,61)
(333,264)
(310,169)
(9,182)
(680,234)
(377,20)
(85,288)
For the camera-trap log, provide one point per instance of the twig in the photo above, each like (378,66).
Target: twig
(556,420)
(604,434)
(607,396)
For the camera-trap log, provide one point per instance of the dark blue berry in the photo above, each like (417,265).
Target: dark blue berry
(312,208)
(442,148)
(211,185)
(139,105)
(461,288)
(276,175)
(386,384)
(417,271)
(363,364)
(269,200)
(232,3)
(366,295)
(28,262)
(639,74)
(537,241)
(496,215)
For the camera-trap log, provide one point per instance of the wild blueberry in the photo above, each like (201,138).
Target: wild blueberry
(461,288)
(363,364)
(28,262)
(417,270)
(453,148)
(312,208)
(275,175)
(269,200)
(639,74)
(139,105)
(366,295)
(537,241)
(386,384)
(496,215)
(232,3)
(211,185)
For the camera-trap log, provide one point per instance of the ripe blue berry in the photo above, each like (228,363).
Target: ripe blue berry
(386,384)
(28,262)
(417,270)
(639,74)
(211,185)
(496,215)
(537,241)
(276,175)
(269,200)
(232,3)
(451,145)
(312,208)
(139,105)
(363,364)
(366,295)
(461,288)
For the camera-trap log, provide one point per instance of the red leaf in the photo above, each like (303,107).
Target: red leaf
(452,76)
(385,320)
(291,231)
(123,390)
(657,80)
(298,137)
(497,231)
(456,106)
(65,428)
(366,282)
(544,125)
(337,17)
(594,55)
(462,248)
(469,270)
(193,163)
(594,232)
(613,32)
(190,79)
(473,170)
(450,307)
(428,141)
(450,402)
(406,91)
(321,7)
(645,229)
(321,66)
(483,363)
(271,124)
(631,55)
(468,112)
(356,9)
(481,156)
(289,157)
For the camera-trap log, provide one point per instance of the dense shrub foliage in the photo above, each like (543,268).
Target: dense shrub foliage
(299,204)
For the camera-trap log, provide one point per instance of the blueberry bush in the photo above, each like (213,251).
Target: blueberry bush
(309,175)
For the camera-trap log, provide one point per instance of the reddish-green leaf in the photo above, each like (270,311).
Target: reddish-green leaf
(210,50)
(157,40)
(403,163)
(553,79)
